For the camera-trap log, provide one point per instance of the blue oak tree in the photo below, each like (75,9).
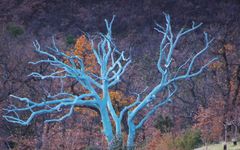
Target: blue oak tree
(112,64)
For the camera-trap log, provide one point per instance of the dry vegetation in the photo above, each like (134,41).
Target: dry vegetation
(204,105)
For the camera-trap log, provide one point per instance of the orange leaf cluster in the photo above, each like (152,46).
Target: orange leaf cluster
(216,66)
(119,100)
(83,50)
(210,121)
(228,48)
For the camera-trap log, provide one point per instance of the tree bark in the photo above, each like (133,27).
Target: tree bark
(131,136)
(107,126)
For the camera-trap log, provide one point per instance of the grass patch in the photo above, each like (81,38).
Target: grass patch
(230,146)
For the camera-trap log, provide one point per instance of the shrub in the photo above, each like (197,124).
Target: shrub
(164,124)
(15,30)
(165,141)
(189,140)
(70,39)
(91,148)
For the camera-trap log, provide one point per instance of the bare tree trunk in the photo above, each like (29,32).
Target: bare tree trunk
(225,146)
(206,146)
(39,129)
(235,135)
(225,137)
(45,136)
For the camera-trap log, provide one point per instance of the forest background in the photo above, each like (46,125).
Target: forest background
(204,107)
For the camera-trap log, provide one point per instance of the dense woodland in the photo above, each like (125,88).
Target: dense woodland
(204,110)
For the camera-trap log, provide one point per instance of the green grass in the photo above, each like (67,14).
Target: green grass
(230,146)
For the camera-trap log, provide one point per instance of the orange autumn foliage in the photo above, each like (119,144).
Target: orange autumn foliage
(210,121)
(217,66)
(227,48)
(83,49)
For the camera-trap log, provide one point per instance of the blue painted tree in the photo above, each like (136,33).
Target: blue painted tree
(112,64)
